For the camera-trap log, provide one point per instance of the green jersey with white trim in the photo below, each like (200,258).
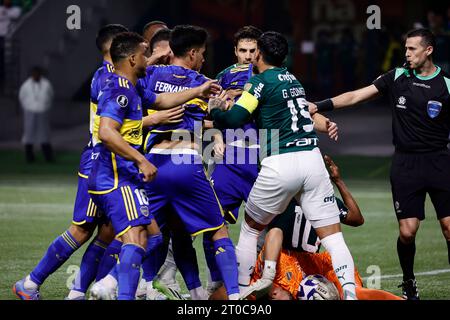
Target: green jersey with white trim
(282,110)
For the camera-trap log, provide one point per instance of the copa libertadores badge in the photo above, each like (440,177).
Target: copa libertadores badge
(122,101)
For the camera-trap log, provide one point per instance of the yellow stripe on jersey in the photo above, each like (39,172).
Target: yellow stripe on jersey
(79,223)
(146,142)
(151,111)
(131,131)
(199,102)
(116,174)
(133,203)
(248,102)
(240,68)
(214,191)
(93,107)
(125,201)
(83,175)
(123,83)
(95,129)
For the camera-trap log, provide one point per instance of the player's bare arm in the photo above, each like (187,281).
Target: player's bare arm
(347,99)
(354,217)
(219,146)
(325,125)
(169,116)
(109,134)
(170,100)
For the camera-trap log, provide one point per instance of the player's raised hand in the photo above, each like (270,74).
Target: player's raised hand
(209,89)
(218,102)
(312,108)
(159,55)
(333,130)
(148,170)
(333,169)
(219,150)
(170,116)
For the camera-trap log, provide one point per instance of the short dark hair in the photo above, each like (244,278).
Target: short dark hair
(152,23)
(107,33)
(124,45)
(160,35)
(273,47)
(428,38)
(247,32)
(185,37)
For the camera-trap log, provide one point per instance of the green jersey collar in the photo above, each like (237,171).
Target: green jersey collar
(438,69)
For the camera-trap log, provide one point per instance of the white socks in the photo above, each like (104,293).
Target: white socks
(342,263)
(168,271)
(73,294)
(198,294)
(246,252)
(270,268)
(110,282)
(30,285)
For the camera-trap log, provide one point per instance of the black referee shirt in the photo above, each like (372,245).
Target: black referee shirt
(420,107)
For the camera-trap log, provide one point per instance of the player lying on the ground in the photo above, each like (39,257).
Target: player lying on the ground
(291,252)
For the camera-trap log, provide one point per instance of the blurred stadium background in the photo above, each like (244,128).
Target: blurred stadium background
(332,51)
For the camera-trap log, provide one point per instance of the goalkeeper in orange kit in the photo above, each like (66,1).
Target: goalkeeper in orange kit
(292,250)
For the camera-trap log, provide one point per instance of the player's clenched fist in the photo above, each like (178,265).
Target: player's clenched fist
(148,170)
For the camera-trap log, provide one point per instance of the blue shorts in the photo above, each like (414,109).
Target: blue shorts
(85,210)
(126,207)
(233,183)
(85,166)
(184,190)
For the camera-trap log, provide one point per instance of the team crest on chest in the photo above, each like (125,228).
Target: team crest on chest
(434,108)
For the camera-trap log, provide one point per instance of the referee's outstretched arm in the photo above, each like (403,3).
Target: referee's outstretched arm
(345,100)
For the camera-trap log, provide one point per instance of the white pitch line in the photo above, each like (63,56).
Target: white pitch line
(427,273)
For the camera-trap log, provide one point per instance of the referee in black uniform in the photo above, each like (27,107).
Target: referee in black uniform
(420,100)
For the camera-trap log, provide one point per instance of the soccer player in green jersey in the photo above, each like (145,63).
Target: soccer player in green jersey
(291,163)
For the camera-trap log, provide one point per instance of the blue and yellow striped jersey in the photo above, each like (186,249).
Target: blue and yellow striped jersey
(235,77)
(172,78)
(98,82)
(118,100)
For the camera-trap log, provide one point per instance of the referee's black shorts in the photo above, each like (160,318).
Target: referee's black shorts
(415,174)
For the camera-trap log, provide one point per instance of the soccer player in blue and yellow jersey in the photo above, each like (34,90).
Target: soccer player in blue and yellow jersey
(115,183)
(118,173)
(86,215)
(233,178)
(182,189)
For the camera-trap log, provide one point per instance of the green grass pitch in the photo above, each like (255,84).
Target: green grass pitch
(36,204)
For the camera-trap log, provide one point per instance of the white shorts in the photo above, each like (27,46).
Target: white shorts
(301,175)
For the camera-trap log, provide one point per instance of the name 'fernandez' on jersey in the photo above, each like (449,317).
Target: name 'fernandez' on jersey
(172,78)
(276,99)
(421,116)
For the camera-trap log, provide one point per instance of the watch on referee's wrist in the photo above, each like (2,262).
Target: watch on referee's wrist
(325,105)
